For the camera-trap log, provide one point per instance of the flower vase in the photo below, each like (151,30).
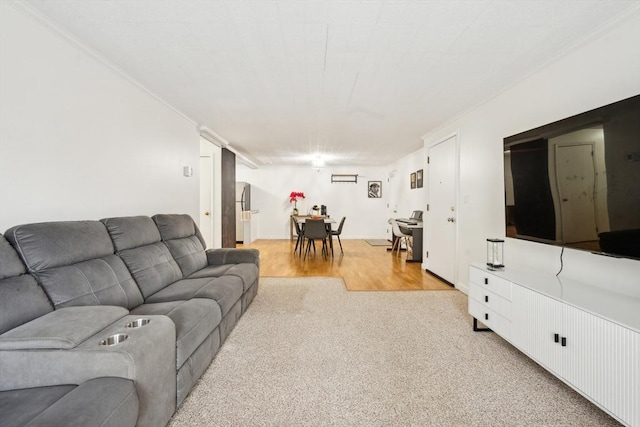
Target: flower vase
(295,211)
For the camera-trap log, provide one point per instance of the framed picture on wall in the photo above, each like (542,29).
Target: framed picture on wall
(413,180)
(419,179)
(375,189)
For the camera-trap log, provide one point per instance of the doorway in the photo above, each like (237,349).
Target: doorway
(576,175)
(441,230)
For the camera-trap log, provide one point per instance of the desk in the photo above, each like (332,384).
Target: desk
(416,234)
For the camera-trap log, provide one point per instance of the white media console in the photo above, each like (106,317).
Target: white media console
(587,335)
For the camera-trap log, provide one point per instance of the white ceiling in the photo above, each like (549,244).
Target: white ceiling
(358,82)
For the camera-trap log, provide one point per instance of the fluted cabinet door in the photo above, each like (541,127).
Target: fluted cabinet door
(602,360)
(599,358)
(535,321)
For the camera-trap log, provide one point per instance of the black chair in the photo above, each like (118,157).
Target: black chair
(338,232)
(300,233)
(315,229)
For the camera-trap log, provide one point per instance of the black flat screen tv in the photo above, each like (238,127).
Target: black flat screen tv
(576,182)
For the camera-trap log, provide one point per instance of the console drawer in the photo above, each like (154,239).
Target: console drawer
(496,284)
(491,300)
(499,324)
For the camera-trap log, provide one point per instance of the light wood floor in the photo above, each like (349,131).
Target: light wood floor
(362,266)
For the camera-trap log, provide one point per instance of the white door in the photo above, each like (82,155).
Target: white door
(206,199)
(440,221)
(576,177)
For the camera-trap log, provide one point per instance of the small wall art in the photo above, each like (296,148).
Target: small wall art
(375,189)
(413,180)
(419,179)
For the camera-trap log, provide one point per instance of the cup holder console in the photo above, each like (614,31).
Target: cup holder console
(118,338)
(138,323)
(114,339)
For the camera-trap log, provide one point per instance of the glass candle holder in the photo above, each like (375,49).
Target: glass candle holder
(495,253)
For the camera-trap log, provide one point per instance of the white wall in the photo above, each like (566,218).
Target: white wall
(271,186)
(408,199)
(78,140)
(603,70)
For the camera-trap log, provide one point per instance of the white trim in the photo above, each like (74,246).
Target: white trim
(241,158)
(213,137)
(221,142)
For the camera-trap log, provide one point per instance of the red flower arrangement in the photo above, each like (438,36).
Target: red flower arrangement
(293,197)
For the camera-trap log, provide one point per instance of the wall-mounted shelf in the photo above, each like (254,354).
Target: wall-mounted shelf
(344,178)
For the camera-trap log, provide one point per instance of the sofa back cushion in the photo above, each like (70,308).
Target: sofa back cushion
(21,298)
(74,261)
(184,240)
(138,244)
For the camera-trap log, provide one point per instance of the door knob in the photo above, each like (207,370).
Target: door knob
(206,213)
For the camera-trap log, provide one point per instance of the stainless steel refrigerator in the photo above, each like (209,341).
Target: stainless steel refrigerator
(243,204)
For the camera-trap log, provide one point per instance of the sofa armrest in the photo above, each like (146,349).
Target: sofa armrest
(147,356)
(62,329)
(223,256)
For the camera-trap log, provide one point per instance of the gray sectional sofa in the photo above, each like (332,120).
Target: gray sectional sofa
(130,310)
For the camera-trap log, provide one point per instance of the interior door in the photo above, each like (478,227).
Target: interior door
(440,221)
(206,199)
(576,177)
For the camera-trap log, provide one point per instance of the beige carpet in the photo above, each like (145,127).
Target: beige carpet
(309,353)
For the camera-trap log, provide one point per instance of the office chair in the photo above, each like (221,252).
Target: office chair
(399,236)
(315,229)
(338,232)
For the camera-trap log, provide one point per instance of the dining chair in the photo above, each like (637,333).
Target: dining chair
(315,229)
(399,237)
(300,233)
(338,232)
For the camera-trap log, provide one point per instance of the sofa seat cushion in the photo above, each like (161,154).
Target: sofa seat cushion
(225,291)
(18,407)
(194,320)
(106,401)
(65,328)
(211,271)
(247,272)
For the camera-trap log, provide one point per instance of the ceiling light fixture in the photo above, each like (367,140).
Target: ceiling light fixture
(318,163)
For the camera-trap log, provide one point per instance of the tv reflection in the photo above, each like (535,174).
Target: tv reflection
(576,182)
